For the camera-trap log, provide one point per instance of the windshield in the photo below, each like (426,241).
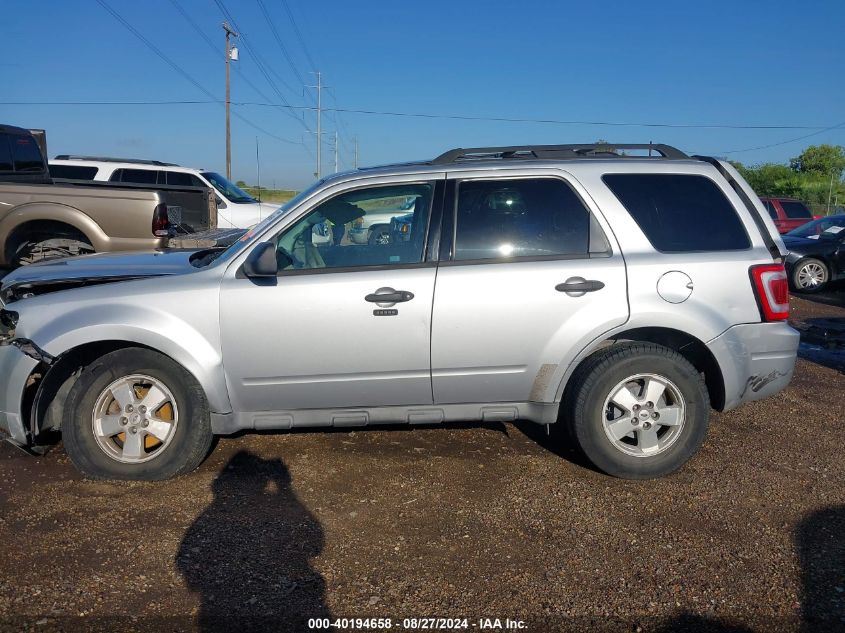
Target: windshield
(231,192)
(259,228)
(823,227)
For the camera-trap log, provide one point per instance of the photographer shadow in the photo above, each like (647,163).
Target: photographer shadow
(248,554)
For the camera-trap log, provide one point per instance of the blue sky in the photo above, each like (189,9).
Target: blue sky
(741,63)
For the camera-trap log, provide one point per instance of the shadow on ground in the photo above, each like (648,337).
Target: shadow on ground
(820,541)
(248,555)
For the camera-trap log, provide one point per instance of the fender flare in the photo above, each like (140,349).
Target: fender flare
(52,212)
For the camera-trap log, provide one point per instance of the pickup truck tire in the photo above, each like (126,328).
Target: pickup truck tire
(40,249)
(136,414)
(619,403)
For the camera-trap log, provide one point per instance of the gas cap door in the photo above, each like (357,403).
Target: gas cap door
(674,286)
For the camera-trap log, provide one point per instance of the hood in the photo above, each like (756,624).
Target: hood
(93,269)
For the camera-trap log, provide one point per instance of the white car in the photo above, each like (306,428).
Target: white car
(235,208)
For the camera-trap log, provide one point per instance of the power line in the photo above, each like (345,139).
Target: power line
(215,48)
(262,67)
(278,38)
(792,140)
(299,35)
(460,117)
(181,71)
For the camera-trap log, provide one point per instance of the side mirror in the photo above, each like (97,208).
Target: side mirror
(220,203)
(262,261)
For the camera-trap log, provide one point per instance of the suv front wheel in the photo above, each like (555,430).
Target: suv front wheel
(638,410)
(135,414)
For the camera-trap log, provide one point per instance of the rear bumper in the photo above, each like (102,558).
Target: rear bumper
(15,368)
(757,360)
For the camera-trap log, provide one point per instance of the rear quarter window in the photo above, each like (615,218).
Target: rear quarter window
(73,172)
(796,210)
(680,213)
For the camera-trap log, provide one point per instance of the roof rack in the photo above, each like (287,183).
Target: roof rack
(558,152)
(107,159)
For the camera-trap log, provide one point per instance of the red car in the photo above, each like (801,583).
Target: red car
(788,213)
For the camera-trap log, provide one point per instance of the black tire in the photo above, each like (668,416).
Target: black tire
(380,235)
(803,264)
(593,383)
(192,437)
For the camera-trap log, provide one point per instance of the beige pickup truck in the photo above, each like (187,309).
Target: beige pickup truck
(41,220)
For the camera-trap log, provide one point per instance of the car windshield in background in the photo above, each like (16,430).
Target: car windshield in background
(231,192)
(823,227)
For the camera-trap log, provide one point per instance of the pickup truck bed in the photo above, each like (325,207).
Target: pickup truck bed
(40,219)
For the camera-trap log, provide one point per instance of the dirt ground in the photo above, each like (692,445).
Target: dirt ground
(476,521)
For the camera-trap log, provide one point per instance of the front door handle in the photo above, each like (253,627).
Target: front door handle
(389,295)
(578,286)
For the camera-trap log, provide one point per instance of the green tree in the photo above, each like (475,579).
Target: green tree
(820,159)
(241,184)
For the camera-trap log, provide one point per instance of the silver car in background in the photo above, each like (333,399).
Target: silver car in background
(621,291)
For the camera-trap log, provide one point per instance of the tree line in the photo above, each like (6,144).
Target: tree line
(814,176)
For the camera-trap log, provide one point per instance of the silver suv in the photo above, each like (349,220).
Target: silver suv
(618,291)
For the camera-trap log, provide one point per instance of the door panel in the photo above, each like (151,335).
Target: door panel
(313,341)
(501,332)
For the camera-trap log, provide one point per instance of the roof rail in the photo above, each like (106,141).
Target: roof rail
(558,152)
(107,159)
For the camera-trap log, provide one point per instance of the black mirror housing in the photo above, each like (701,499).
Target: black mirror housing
(262,261)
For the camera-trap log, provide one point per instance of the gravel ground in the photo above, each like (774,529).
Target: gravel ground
(459,522)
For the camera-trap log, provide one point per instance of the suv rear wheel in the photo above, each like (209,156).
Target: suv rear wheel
(135,414)
(638,410)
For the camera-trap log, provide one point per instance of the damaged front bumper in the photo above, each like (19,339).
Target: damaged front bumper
(18,359)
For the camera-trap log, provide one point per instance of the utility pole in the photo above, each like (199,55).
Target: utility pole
(231,54)
(336,155)
(356,153)
(319,87)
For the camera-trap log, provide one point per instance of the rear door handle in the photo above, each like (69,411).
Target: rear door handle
(389,295)
(577,286)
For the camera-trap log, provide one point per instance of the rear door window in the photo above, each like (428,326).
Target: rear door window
(795,210)
(25,153)
(531,217)
(680,213)
(137,176)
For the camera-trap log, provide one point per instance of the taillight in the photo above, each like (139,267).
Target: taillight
(161,224)
(771,290)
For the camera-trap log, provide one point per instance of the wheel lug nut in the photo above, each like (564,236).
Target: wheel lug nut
(646,425)
(145,423)
(130,408)
(133,430)
(636,407)
(655,415)
(124,421)
(142,409)
(649,404)
(634,421)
